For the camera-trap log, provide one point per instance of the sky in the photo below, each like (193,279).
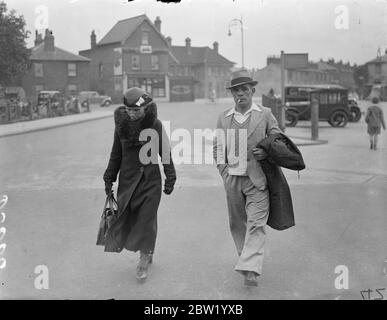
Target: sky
(346,30)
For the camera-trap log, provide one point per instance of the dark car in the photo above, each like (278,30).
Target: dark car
(93,97)
(354,109)
(332,99)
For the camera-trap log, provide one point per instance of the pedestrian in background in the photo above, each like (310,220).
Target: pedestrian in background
(375,120)
(139,187)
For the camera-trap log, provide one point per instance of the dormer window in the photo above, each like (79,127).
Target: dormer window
(145,37)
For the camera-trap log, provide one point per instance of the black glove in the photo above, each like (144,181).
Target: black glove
(168,189)
(108,188)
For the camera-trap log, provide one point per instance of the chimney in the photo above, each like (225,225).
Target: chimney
(188,45)
(158,24)
(49,41)
(216,46)
(38,38)
(169,40)
(93,40)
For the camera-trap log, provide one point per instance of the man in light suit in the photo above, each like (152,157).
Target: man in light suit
(239,129)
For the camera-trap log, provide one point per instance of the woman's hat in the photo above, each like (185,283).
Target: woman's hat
(241,77)
(136,97)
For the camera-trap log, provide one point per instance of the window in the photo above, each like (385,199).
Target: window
(38,69)
(100,70)
(118,84)
(135,62)
(73,88)
(72,70)
(378,68)
(332,98)
(38,88)
(145,37)
(323,98)
(155,62)
(158,87)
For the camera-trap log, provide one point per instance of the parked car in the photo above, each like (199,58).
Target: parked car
(93,97)
(354,109)
(332,99)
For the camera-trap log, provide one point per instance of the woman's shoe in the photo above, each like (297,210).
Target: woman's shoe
(142,267)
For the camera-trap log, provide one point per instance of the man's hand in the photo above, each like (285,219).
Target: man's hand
(259,154)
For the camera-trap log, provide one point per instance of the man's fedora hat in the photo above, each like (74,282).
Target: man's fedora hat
(136,97)
(240,77)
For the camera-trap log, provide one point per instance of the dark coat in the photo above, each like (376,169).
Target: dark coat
(139,187)
(281,152)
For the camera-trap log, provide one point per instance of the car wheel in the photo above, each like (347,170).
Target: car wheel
(338,119)
(291,118)
(355,114)
(107,103)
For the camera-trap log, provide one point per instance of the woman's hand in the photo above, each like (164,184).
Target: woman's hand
(259,154)
(108,188)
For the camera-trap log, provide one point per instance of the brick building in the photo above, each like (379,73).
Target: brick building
(377,76)
(135,53)
(209,70)
(314,74)
(132,53)
(55,69)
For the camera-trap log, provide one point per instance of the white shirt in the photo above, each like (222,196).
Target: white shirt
(240,117)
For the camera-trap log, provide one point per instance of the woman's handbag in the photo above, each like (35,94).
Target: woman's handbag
(108,214)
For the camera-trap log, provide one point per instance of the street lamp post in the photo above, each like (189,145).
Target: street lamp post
(240,22)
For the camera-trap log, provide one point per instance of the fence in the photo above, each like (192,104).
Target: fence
(14,111)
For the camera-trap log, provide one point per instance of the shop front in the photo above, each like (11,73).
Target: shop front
(153,84)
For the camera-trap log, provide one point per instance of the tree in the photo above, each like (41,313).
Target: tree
(14,55)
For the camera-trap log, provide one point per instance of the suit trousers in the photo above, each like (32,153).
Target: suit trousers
(248,210)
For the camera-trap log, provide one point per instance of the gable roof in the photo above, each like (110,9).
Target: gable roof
(38,53)
(381,59)
(123,29)
(199,55)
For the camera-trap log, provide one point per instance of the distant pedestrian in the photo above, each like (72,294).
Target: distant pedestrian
(375,120)
(139,186)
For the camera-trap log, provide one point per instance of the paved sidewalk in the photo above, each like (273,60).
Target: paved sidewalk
(16,128)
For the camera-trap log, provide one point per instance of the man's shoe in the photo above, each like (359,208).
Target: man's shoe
(251,279)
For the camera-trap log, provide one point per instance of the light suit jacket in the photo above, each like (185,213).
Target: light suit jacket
(262,123)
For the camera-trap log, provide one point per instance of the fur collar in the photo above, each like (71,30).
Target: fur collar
(127,129)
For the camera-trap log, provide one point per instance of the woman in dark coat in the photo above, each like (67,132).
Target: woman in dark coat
(139,186)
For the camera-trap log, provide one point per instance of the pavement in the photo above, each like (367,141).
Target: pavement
(53,180)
